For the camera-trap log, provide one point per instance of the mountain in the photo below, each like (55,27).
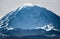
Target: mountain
(30,21)
(30,17)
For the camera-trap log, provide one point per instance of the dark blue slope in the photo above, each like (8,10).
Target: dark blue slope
(31,17)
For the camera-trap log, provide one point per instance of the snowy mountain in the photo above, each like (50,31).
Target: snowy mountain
(31,16)
(30,20)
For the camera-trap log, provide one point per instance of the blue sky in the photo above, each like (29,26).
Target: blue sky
(9,5)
